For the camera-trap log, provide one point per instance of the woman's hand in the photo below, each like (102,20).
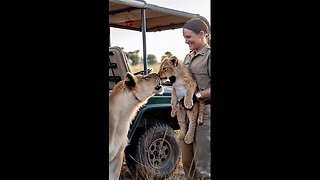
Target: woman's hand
(203,94)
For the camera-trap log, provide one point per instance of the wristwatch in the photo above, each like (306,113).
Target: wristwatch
(198,95)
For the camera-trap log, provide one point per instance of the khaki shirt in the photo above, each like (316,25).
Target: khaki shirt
(199,65)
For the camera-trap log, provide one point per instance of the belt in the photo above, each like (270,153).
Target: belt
(207,102)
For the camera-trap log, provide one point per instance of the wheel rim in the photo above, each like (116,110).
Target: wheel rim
(159,152)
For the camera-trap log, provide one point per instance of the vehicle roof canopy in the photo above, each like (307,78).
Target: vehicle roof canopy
(126,14)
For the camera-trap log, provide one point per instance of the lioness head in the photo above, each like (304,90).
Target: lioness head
(168,67)
(143,85)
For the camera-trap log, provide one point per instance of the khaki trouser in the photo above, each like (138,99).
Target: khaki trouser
(196,157)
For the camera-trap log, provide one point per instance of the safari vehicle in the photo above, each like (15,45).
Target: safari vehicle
(153,150)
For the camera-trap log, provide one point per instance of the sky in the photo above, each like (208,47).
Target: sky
(160,42)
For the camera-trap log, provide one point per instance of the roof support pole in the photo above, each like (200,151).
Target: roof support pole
(143,29)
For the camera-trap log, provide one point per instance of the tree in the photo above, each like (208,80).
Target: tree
(134,57)
(151,59)
(167,54)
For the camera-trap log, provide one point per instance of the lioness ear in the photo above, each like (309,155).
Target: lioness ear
(174,60)
(130,81)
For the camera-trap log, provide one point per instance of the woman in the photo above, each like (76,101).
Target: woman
(196,156)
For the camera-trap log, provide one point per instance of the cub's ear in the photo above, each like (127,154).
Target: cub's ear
(165,58)
(174,60)
(130,81)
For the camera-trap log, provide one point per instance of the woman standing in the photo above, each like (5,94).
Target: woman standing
(196,156)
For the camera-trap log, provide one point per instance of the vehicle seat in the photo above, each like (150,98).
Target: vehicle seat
(118,66)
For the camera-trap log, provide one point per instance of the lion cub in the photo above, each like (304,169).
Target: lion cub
(183,101)
(125,100)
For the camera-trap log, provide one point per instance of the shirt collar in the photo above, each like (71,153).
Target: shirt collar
(201,52)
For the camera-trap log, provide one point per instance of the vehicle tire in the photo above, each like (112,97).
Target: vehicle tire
(155,154)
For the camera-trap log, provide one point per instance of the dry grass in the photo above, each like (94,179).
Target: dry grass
(139,67)
(178,174)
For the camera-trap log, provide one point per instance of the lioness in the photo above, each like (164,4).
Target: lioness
(182,98)
(125,100)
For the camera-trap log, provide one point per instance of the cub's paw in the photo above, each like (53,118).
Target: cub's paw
(173,113)
(188,139)
(200,121)
(180,137)
(188,103)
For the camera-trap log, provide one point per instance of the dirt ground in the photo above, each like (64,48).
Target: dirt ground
(178,174)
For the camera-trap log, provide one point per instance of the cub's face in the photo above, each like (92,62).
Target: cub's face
(144,84)
(168,67)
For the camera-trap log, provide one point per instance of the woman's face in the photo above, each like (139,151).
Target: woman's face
(195,41)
